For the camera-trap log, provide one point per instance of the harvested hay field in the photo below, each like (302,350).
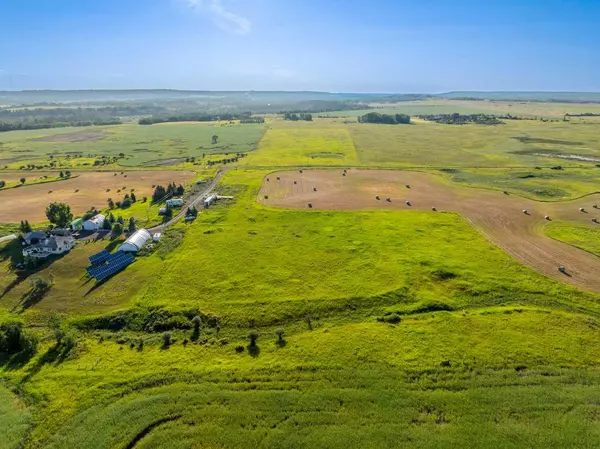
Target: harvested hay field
(513,223)
(78,136)
(85,190)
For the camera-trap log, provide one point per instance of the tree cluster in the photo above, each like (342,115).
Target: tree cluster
(461,119)
(59,214)
(388,119)
(295,117)
(161,194)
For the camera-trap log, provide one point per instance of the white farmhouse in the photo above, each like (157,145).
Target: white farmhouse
(53,245)
(95,223)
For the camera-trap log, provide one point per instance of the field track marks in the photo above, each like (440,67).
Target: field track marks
(500,217)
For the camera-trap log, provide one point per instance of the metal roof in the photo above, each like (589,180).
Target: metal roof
(137,239)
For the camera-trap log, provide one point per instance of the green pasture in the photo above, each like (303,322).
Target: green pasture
(402,328)
(161,144)
(580,236)
(318,143)
(512,377)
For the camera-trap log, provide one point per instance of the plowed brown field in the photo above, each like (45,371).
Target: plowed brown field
(84,190)
(498,216)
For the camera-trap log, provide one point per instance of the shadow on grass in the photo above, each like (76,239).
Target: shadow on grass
(254,351)
(281,343)
(17,361)
(31,298)
(56,355)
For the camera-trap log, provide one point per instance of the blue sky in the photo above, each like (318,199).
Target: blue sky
(330,45)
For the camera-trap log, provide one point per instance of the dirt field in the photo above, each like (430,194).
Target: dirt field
(500,217)
(29,202)
(79,136)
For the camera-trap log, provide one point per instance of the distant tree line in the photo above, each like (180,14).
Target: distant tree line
(388,119)
(52,122)
(252,120)
(583,114)
(195,117)
(295,117)
(461,119)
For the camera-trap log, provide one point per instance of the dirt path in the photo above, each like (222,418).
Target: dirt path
(196,200)
(499,217)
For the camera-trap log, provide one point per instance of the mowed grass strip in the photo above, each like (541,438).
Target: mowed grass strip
(303,144)
(15,420)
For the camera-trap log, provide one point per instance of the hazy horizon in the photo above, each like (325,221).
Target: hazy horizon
(335,46)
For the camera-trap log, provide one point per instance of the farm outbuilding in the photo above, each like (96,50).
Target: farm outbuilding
(95,223)
(77,224)
(208,201)
(135,242)
(175,202)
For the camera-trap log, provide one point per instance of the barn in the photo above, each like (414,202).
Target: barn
(135,241)
(95,223)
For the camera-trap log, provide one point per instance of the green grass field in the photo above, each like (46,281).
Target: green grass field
(162,144)
(402,329)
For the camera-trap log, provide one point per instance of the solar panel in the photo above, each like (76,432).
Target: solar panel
(116,263)
(100,257)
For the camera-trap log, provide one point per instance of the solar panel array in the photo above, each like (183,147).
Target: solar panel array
(112,264)
(99,258)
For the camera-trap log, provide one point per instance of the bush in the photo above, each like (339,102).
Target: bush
(15,340)
(166,338)
(392,318)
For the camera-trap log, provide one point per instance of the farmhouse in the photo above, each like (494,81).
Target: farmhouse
(34,237)
(95,223)
(175,202)
(49,246)
(135,242)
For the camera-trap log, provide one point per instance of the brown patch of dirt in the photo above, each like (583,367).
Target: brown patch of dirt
(29,202)
(498,216)
(79,136)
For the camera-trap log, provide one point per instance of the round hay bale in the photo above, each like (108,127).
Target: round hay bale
(49,191)
(505,192)
(377,197)
(595,206)
(595,220)
(266,197)
(125,176)
(525,211)
(345,171)
(434,208)
(278,178)
(408,186)
(310,205)
(343,174)
(547,217)
(300,171)
(76,190)
(267,179)
(295,182)
(118,190)
(581,209)
(314,189)
(562,269)
(388,199)
(408,203)
(108,190)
